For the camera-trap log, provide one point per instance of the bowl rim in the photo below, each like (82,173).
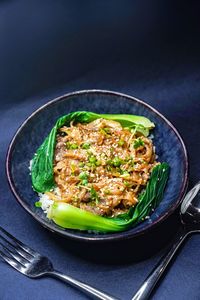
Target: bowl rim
(101,238)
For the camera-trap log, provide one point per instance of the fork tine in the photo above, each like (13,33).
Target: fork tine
(12,262)
(17,257)
(19,250)
(20,244)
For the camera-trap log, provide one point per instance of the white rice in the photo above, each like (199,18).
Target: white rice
(30,165)
(45,201)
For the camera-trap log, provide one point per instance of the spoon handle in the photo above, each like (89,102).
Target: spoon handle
(146,288)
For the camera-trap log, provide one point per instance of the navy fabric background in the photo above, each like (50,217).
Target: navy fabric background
(148,49)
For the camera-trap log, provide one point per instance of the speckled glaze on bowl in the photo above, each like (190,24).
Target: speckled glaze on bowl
(169,147)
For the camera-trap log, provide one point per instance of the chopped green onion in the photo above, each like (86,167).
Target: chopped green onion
(73,168)
(112,149)
(38,204)
(71,146)
(85,146)
(121,143)
(109,169)
(116,162)
(84,182)
(92,159)
(94,195)
(127,184)
(81,164)
(107,192)
(98,163)
(74,146)
(125,173)
(67,144)
(83,175)
(106,129)
(109,162)
(84,178)
(137,143)
(88,164)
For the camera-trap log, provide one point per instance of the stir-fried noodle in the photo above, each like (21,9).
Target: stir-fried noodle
(101,166)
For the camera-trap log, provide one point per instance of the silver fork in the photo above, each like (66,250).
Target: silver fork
(34,265)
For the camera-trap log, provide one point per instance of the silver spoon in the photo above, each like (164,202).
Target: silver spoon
(190,219)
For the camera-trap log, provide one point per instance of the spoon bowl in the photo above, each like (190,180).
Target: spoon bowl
(190,207)
(190,220)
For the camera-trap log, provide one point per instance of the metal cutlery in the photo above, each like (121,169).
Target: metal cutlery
(190,219)
(32,264)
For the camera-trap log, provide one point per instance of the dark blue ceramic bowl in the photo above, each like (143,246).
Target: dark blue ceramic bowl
(169,147)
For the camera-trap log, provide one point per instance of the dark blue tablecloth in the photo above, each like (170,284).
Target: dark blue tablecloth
(148,49)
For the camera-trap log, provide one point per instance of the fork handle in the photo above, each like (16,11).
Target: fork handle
(97,294)
(145,290)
